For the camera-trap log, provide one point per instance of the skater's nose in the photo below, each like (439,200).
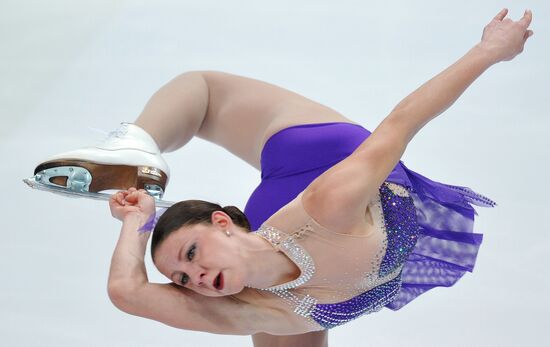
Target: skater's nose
(197,275)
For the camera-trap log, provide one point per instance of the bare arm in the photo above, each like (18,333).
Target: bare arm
(130,290)
(354,181)
(502,40)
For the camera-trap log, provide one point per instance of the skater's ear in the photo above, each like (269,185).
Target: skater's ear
(238,217)
(220,218)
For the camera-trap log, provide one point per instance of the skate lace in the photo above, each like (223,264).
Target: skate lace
(112,135)
(120,132)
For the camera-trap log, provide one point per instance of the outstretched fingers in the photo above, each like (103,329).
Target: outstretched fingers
(525,21)
(501,15)
(506,38)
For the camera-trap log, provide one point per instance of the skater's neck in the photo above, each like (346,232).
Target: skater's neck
(267,266)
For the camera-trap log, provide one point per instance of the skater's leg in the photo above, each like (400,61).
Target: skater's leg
(174,114)
(130,157)
(234,112)
(313,339)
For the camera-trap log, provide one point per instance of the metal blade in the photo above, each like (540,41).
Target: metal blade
(31,182)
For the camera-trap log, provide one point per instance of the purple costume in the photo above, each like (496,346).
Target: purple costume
(430,239)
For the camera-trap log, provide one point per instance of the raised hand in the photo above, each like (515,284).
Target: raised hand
(132,201)
(504,38)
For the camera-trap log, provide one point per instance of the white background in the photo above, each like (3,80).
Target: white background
(66,66)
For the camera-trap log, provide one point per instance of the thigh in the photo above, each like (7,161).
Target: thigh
(243,113)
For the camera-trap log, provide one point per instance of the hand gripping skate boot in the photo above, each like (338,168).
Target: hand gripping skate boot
(129,157)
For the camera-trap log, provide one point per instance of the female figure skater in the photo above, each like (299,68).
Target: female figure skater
(343,228)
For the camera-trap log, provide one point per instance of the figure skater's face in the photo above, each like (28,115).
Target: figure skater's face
(203,258)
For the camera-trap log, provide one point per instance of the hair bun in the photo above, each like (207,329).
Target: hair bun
(237,216)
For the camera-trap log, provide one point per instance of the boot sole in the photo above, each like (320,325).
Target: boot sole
(106,176)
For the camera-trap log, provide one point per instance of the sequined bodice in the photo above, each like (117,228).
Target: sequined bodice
(344,276)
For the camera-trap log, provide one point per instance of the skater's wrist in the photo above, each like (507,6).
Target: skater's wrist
(485,55)
(136,219)
(130,235)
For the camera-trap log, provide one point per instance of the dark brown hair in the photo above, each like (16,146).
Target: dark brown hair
(190,212)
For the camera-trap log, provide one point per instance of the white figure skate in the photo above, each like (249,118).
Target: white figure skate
(129,157)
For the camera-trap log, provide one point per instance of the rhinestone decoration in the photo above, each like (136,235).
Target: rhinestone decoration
(331,315)
(294,251)
(471,196)
(397,220)
(305,305)
(400,226)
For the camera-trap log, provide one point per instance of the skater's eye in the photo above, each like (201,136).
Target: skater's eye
(184,279)
(191,252)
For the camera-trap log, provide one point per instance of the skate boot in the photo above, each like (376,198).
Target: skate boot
(129,157)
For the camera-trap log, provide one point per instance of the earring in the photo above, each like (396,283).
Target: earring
(227,233)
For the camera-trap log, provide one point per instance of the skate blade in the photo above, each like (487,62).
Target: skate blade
(31,182)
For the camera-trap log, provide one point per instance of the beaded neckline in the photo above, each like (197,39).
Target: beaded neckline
(295,252)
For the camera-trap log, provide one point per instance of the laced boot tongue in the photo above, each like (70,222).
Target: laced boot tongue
(130,136)
(121,131)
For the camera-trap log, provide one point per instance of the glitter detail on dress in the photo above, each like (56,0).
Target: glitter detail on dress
(381,277)
(400,226)
(472,197)
(331,315)
(305,305)
(293,250)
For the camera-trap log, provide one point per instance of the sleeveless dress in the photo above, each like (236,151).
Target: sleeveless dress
(424,236)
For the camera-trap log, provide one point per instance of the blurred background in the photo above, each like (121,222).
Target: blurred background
(68,67)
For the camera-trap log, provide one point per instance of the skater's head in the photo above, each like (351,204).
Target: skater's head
(195,241)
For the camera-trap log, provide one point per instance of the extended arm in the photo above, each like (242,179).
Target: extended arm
(503,39)
(354,181)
